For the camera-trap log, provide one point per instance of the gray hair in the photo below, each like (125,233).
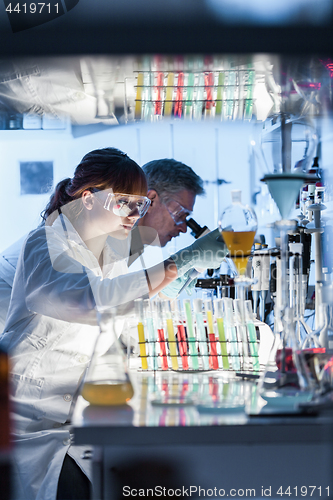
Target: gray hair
(168,176)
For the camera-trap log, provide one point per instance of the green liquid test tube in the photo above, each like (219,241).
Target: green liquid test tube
(218,307)
(189,95)
(219,94)
(190,335)
(249,96)
(252,335)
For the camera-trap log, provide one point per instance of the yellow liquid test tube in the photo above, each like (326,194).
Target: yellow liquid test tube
(172,344)
(168,95)
(141,333)
(142,345)
(138,99)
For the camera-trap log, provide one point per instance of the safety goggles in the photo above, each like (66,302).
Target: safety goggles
(177,211)
(126,205)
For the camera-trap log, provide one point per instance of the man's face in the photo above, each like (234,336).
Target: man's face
(159,218)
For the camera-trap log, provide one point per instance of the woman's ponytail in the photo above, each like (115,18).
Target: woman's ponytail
(59,198)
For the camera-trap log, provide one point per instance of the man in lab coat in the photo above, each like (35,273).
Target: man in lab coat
(172,189)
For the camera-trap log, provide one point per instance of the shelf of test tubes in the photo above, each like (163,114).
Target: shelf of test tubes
(196,335)
(221,94)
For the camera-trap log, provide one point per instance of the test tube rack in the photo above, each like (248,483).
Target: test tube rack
(219,343)
(226,94)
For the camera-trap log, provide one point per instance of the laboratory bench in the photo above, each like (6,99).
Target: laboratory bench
(209,430)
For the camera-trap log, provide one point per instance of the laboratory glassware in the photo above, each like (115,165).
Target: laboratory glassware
(107,381)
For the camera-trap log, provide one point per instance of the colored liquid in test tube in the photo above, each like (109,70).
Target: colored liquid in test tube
(179,95)
(159,93)
(161,337)
(181,336)
(232,334)
(249,96)
(169,95)
(219,93)
(189,96)
(209,86)
(201,333)
(252,335)
(190,334)
(138,98)
(151,335)
(171,335)
(219,313)
(141,333)
(241,327)
(213,360)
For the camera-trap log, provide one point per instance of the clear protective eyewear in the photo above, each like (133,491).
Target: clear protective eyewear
(126,205)
(177,211)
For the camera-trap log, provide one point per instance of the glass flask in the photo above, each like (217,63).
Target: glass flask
(238,225)
(107,381)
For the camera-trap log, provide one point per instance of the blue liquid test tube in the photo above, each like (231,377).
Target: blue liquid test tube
(151,336)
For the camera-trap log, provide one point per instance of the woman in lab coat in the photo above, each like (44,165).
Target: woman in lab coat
(68,268)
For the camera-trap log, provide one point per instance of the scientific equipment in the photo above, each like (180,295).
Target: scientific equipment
(238,225)
(107,380)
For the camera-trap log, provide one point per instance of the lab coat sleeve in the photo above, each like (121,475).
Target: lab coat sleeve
(63,288)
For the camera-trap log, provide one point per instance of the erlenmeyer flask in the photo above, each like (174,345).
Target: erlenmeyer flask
(107,380)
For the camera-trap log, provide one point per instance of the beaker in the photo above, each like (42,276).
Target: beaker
(107,380)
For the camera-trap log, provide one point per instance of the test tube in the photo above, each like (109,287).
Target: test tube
(249,96)
(252,335)
(241,327)
(219,313)
(201,332)
(209,87)
(179,95)
(159,93)
(199,97)
(181,336)
(213,360)
(160,333)
(219,94)
(230,94)
(232,334)
(189,96)
(190,334)
(169,95)
(151,335)
(148,111)
(138,98)
(141,333)
(171,335)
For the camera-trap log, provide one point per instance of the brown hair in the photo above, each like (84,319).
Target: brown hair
(100,169)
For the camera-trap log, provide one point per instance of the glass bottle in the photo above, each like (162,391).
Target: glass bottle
(238,225)
(107,381)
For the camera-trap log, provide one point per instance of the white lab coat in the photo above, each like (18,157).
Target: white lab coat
(8,263)
(50,333)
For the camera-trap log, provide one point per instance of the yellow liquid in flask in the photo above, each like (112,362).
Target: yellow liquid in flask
(239,244)
(102,394)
